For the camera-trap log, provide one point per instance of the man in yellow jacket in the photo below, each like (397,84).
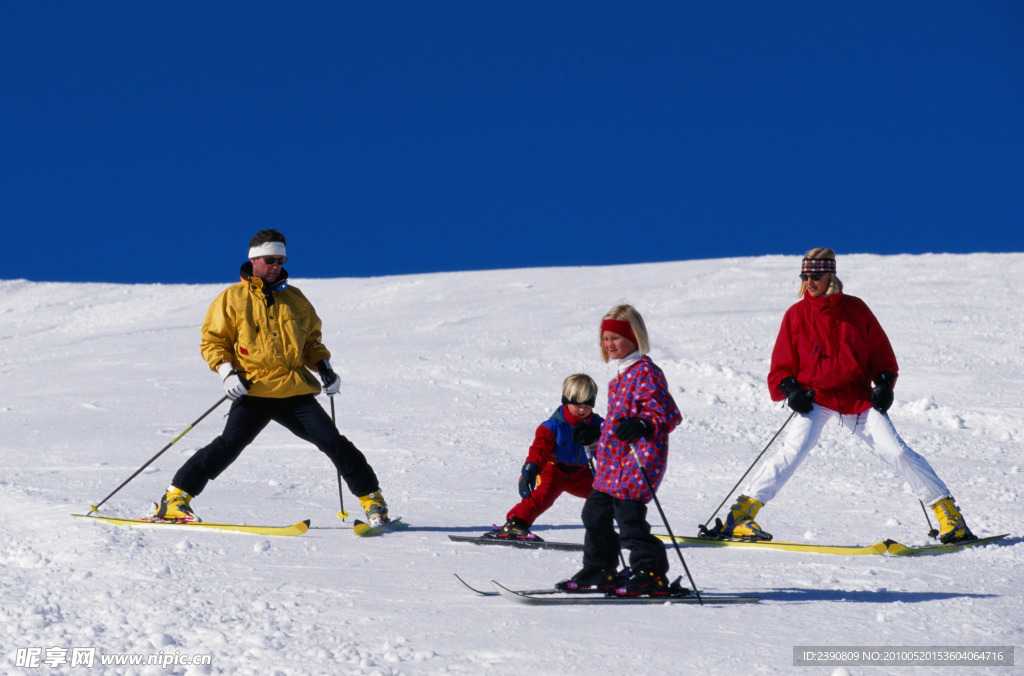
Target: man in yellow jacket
(263,336)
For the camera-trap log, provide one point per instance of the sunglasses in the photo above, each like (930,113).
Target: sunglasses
(270,260)
(813,276)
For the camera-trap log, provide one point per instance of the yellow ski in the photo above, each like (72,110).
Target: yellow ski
(363,529)
(294,529)
(898,549)
(843,550)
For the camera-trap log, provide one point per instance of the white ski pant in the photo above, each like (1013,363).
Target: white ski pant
(872,427)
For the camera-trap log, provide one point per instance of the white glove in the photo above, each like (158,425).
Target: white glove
(234,386)
(332,383)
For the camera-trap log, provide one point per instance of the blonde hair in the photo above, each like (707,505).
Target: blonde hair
(579,387)
(628,314)
(835,284)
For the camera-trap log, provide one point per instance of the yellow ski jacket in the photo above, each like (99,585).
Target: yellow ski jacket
(274,344)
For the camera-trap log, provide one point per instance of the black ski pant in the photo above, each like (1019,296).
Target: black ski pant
(303,416)
(601,543)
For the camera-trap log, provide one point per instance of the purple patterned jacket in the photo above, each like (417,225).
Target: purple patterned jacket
(640,392)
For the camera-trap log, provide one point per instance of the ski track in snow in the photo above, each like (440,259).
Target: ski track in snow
(445,377)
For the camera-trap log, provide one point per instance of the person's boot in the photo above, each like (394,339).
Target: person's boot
(740,522)
(644,583)
(375,508)
(592,579)
(952,527)
(175,506)
(514,529)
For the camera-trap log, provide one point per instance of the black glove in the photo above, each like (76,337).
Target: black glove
(881,395)
(585,434)
(797,397)
(631,429)
(528,479)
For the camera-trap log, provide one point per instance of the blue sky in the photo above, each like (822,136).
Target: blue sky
(147,141)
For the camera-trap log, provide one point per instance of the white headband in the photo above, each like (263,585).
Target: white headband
(267,249)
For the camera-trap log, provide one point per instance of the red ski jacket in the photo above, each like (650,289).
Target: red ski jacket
(835,346)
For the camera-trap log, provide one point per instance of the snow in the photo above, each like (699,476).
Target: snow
(446,376)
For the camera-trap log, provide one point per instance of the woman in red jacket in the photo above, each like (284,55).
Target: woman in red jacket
(829,350)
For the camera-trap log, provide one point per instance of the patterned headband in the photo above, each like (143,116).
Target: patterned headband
(818,265)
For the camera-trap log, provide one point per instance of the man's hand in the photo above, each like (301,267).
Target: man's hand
(234,385)
(332,383)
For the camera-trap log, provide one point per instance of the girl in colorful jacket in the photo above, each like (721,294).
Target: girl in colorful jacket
(829,350)
(555,464)
(641,414)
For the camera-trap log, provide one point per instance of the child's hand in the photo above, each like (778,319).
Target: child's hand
(528,479)
(585,434)
(631,429)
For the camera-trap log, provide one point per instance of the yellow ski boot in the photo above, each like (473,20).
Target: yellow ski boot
(952,527)
(740,522)
(375,508)
(175,506)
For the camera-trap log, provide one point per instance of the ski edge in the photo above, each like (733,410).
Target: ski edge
(899,549)
(536,600)
(297,528)
(365,530)
(483,592)
(522,544)
(470,587)
(842,550)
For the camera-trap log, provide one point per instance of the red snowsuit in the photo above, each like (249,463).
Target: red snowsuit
(556,475)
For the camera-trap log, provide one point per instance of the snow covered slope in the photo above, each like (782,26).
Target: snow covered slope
(446,376)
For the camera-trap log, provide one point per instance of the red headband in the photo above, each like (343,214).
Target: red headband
(620,327)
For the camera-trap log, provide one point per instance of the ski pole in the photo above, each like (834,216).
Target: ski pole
(96,507)
(593,471)
(664,519)
(932,532)
(703,528)
(341,492)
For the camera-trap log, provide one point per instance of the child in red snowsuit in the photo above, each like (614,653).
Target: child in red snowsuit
(555,463)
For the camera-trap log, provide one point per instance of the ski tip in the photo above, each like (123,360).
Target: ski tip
(362,528)
(472,588)
(502,588)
